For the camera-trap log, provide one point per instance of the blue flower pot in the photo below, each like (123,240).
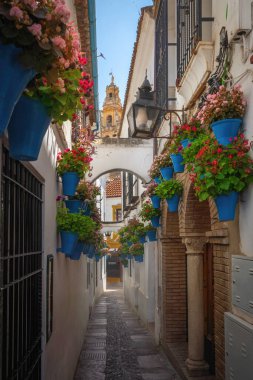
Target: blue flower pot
(86,248)
(226,205)
(185,143)
(74,206)
(97,258)
(155,221)
(226,129)
(157,180)
(77,251)
(173,203)
(177,160)
(151,235)
(167,172)
(142,239)
(155,201)
(70,181)
(129,257)
(14,79)
(91,255)
(139,258)
(26,130)
(68,242)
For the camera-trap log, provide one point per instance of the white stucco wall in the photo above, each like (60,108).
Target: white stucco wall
(71,298)
(144,61)
(139,289)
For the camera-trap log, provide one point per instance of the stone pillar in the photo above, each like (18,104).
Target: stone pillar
(196,364)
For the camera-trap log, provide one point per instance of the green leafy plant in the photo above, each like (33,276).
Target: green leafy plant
(75,160)
(161,161)
(219,170)
(128,232)
(63,94)
(42,30)
(148,211)
(87,191)
(149,227)
(192,149)
(167,189)
(190,130)
(224,104)
(136,249)
(84,226)
(150,190)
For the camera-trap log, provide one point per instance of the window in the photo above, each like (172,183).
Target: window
(190,30)
(109,121)
(110,94)
(161,55)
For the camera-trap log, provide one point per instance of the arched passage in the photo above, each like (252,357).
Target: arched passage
(132,155)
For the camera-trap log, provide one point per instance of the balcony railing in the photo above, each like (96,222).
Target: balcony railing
(193,25)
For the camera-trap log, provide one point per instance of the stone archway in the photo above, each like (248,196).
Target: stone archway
(132,155)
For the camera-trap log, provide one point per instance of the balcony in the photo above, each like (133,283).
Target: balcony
(195,50)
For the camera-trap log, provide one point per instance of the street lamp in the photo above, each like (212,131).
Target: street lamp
(143,113)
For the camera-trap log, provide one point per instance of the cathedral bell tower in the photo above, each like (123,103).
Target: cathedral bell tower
(112,111)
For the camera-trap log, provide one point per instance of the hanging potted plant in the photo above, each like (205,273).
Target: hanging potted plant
(150,232)
(222,173)
(32,37)
(42,102)
(149,213)
(140,232)
(154,173)
(161,165)
(137,251)
(223,112)
(175,150)
(84,199)
(71,166)
(190,152)
(171,191)
(72,227)
(150,192)
(187,133)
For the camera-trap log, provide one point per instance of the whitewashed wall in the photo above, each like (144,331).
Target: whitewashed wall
(144,61)
(71,298)
(139,288)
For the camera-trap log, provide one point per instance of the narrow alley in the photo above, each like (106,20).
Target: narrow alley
(117,346)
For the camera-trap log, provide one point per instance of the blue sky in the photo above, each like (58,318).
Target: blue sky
(116,33)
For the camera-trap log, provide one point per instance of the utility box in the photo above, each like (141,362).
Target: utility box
(239,21)
(242,283)
(238,348)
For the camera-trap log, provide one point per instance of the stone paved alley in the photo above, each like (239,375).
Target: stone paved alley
(117,346)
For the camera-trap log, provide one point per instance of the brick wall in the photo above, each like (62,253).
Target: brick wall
(195,218)
(173,280)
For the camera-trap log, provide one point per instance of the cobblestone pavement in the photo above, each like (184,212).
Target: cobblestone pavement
(117,347)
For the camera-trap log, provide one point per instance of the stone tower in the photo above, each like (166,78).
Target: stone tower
(112,111)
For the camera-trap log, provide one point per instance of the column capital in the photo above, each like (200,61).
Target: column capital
(195,245)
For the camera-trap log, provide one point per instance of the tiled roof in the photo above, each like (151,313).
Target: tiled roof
(113,188)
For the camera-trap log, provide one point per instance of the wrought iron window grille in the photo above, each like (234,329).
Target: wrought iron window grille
(189,32)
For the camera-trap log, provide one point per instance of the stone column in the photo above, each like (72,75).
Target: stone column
(196,364)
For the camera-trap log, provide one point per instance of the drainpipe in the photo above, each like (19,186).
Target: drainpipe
(93,44)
